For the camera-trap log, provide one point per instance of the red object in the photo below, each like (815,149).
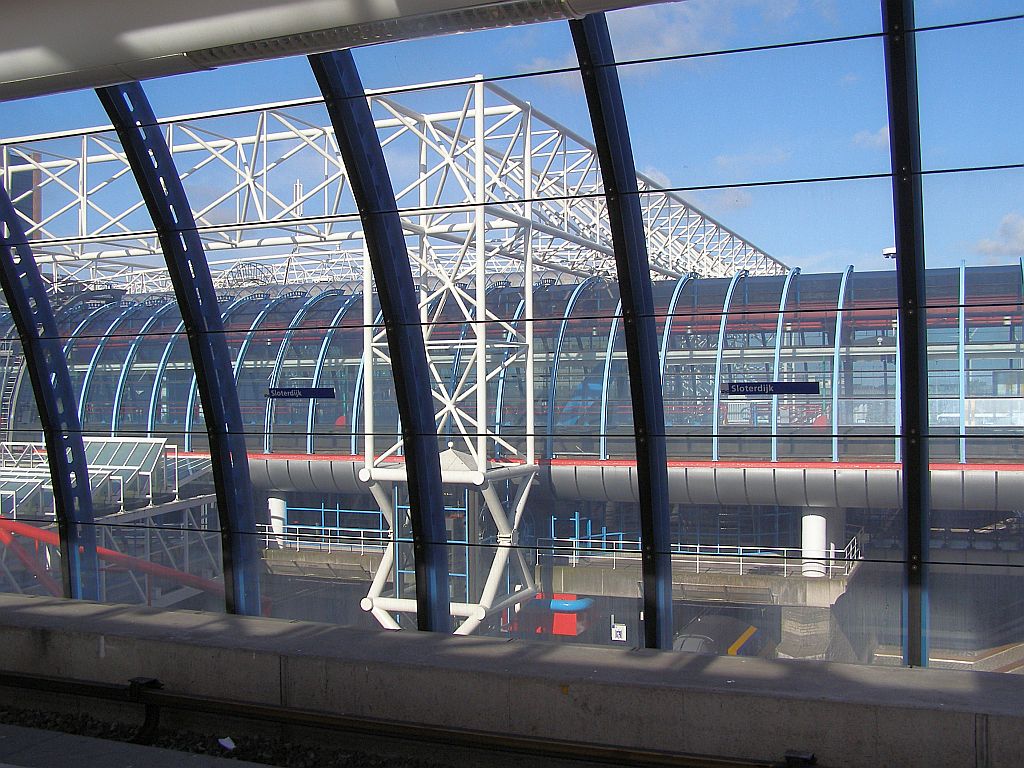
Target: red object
(7,527)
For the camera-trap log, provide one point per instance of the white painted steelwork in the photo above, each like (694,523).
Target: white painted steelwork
(270,196)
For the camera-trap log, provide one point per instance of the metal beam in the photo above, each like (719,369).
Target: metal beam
(363,157)
(146,150)
(618,171)
(25,293)
(905,147)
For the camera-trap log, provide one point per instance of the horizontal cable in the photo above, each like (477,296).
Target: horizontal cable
(566,432)
(563,548)
(467,207)
(704,314)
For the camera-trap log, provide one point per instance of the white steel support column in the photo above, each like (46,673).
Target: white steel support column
(528,283)
(480,315)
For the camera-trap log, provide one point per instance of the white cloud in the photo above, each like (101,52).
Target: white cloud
(658,176)
(570,80)
(743,163)
(668,29)
(735,199)
(718,202)
(1009,239)
(873,139)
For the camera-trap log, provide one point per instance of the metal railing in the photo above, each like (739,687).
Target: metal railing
(693,558)
(318,538)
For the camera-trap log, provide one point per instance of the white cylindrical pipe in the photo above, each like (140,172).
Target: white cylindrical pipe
(278,507)
(278,514)
(814,543)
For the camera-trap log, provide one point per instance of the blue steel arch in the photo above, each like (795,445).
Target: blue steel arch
(151,162)
(275,374)
(100,346)
(129,359)
(354,129)
(60,315)
(318,371)
(836,359)
(25,292)
(556,355)
(618,172)
(161,368)
(777,357)
(499,396)
(605,379)
(666,333)
(717,383)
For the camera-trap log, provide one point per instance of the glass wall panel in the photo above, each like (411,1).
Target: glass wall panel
(577,382)
(968,80)
(762,487)
(288,419)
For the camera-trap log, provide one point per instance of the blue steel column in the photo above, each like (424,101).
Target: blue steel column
(129,360)
(777,358)
(836,361)
(556,356)
(361,152)
(606,378)
(151,163)
(961,356)
(611,134)
(275,375)
(666,332)
(905,140)
(47,366)
(716,397)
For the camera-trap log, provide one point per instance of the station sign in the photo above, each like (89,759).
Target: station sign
(301,393)
(769,388)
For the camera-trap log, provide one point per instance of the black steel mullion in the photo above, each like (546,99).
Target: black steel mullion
(26,296)
(150,159)
(618,171)
(368,176)
(905,143)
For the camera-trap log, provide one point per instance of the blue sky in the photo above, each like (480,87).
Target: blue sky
(733,119)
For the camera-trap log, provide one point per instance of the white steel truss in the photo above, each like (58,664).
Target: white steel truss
(268,188)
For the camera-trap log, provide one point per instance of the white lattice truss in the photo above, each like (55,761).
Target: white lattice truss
(272,200)
(488,190)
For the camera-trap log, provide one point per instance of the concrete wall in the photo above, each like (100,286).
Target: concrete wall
(848,715)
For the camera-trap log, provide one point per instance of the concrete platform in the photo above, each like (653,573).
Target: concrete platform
(850,716)
(33,748)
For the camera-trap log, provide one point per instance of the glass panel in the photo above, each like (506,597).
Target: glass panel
(308,334)
(844,134)
(578,377)
(969,87)
(679,29)
(336,420)
(235,87)
(92,237)
(257,363)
